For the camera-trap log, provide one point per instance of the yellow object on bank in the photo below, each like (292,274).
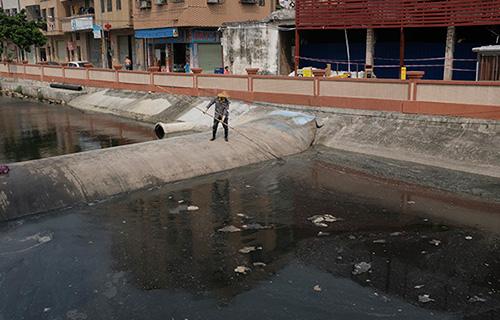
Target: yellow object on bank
(403,73)
(307,72)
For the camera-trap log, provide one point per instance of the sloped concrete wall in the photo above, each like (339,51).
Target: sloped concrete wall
(459,144)
(53,183)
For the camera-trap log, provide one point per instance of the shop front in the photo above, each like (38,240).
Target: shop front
(179,49)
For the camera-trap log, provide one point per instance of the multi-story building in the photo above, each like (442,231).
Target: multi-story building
(174,33)
(97,31)
(435,36)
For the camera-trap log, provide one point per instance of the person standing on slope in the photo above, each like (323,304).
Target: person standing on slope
(221,114)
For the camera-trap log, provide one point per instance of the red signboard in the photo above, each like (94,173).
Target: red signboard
(346,14)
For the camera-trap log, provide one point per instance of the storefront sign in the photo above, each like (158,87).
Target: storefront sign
(157,33)
(97,31)
(83,23)
(205,36)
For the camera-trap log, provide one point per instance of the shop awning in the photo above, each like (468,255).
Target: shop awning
(156,33)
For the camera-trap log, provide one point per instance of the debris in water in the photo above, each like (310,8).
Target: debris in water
(476,299)
(395,234)
(320,219)
(124,221)
(180,201)
(420,286)
(435,242)
(193,208)
(379,241)
(4,169)
(468,238)
(423,252)
(246,250)
(259,264)
(242,269)
(411,202)
(248,186)
(244,216)
(352,237)
(254,226)
(361,267)
(46,309)
(323,234)
(317,288)
(424,298)
(229,229)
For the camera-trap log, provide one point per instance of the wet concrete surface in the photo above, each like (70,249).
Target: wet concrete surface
(147,256)
(31,130)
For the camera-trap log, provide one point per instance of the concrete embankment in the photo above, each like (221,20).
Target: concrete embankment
(470,146)
(52,183)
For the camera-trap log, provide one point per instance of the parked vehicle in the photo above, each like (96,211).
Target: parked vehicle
(77,64)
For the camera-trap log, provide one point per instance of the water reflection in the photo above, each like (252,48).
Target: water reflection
(30,130)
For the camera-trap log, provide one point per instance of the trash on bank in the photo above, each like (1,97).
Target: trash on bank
(395,234)
(468,238)
(193,208)
(420,286)
(243,216)
(317,288)
(379,241)
(230,228)
(242,269)
(323,234)
(424,298)
(360,268)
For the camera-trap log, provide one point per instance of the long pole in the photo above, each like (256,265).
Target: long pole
(297,51)
(348,51)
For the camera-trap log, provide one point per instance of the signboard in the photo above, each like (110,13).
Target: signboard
(97,31)
(157,33)
(205,36)
(83,23)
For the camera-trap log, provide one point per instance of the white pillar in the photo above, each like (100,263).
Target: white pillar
(370,46)
(449,53)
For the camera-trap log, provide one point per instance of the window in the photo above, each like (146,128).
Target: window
(51,14)
(102,6)
(110,5)
(118,4)
(44,14)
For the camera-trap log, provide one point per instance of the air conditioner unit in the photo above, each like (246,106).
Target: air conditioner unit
(248,1)
(145,4)
(161,2)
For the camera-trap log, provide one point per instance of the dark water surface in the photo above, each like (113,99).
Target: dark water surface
(145,256)
(31,130)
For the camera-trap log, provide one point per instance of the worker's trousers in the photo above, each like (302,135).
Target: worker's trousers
(217,119)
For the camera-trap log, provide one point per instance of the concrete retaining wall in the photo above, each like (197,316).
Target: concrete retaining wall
(465,145)
(48,184)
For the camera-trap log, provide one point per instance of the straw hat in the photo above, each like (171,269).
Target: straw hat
(223,94)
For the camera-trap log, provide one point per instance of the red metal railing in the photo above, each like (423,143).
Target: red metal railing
(345,14)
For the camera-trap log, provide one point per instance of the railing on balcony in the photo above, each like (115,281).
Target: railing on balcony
(340,14)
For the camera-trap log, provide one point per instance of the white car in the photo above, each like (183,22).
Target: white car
(77,64)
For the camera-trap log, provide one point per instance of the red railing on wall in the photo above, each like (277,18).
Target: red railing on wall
(346,14)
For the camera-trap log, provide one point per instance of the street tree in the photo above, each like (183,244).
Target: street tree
(21,32)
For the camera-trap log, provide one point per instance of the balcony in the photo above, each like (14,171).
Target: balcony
(78,23)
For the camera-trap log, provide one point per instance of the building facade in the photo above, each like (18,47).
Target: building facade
(178,35)
(380,33)
(97,31)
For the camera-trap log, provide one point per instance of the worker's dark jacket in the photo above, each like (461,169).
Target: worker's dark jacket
(221,107)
